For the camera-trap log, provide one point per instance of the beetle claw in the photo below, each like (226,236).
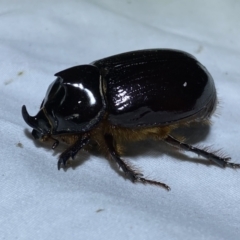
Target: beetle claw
(62,163)
(72,151)
(59,164)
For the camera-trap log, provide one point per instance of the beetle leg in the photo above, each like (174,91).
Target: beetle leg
(127,169)
(55,144)
(73,150)
(220,161)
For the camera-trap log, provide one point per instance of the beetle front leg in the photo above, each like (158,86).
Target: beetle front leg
(220,161)
(127,169)
(73,150)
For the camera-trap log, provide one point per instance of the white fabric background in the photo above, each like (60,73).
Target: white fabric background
(92,200)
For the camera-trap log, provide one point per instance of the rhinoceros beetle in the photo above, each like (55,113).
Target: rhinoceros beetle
(132,96)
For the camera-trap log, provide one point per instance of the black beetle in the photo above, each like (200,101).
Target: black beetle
(127,97)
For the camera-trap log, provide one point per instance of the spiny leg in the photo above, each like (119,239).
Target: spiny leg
(220,161)
(72,150)
(130,172)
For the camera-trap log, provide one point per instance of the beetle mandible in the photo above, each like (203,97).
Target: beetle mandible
(132,96)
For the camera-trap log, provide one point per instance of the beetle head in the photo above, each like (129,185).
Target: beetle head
(73,103)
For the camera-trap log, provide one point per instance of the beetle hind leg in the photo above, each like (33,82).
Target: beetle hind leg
(72,150)
(220,161)
(133,174)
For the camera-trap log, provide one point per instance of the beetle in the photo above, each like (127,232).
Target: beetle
(132,96)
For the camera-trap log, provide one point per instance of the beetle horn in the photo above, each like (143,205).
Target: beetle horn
(31,121)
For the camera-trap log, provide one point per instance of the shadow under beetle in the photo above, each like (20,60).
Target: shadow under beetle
(132,96)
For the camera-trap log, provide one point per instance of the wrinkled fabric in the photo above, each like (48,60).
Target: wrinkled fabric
(92,199)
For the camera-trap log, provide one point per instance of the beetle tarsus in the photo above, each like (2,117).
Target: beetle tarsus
(232,165)
(152,182)
(134,175)
(72,151)
(220,161)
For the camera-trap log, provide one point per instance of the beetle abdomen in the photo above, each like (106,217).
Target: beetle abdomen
(156,87)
